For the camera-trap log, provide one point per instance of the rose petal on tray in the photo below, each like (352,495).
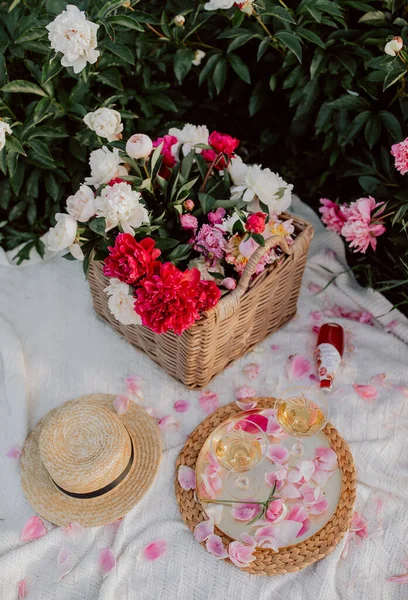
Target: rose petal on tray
(203,530)
(245,511)
(186,477)
(277,453)
(215,546)
(153,551)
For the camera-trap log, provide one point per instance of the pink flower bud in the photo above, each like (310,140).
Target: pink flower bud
(188,204)
(229,283)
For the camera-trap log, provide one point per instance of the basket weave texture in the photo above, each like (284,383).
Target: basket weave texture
(291,558)
(241,319)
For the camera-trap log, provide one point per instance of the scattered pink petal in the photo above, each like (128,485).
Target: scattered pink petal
(277,535)
(379,379)
(389,328)
(316,315)
(203,530)
(245,512)
(167,422)
(14,452)
(214,511)
(244,392)
(65,563)
(73,532)
(246,405)
(121,403)
(133,386)
(33,530)
(22,589)
(152,412)
(277,511)
(107,561)
(209,401)
(330,253)
(314,288)
(275,347)
(290,491)
(215,546)
(316,329)
(310,494)
(252,371)
(297,367)
(153,551)
(242,553)
(277,454)
(319,507)
(313,377)
(320,475)
(326,457)
(359,525)
(298,512)
(274,429)
(398,578)
(186,477)
(402,389)
(367,392)
(260,421)
(276,477)
(181,405)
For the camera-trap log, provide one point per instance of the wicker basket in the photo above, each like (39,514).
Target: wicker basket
(257,307)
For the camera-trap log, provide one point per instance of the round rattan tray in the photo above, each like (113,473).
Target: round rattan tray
(292,558)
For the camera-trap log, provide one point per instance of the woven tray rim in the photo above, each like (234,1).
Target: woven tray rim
(294,557)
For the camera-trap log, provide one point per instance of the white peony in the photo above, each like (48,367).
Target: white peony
(217,4)
(237,170)
(81,205)
(266,186)
(203,266)
(105,165)
(394,46)
(189,136)
(139,145)
(120,204)
(76,251)
(198,57)
(75,37)
(63,234)
(121,303)
(4,128)
(106,123)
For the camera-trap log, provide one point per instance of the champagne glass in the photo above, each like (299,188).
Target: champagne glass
(239,445)
(302,412)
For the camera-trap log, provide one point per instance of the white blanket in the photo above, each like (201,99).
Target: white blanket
(54,348)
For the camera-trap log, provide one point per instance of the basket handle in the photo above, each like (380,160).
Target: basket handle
(228,304)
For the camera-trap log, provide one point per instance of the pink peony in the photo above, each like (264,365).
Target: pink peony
(210,241)
(168,141)
(130,260)
(362,227)
(242,553)
(216,217)
(188,221)
(256,222)
(332,215)
(400,153)
(277,511)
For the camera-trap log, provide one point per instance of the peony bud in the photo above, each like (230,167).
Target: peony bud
(188,204)
(179,20)
(188,222)
(139,145)
(198,57)
(229,283)
(394,46)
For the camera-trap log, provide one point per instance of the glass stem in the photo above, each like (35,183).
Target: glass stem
(298,447)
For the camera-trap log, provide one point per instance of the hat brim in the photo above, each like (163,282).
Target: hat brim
(59,508)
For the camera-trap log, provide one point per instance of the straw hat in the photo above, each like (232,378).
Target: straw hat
(83,462)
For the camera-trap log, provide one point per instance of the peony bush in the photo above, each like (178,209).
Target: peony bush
(315,89)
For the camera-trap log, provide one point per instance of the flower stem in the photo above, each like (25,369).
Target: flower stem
(210,168)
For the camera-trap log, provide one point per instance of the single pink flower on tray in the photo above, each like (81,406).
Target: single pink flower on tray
(400,153)
(33,530)
(242,553)
(246,511)
(186,477)
(367,392)
(215,546)
(153,551)
(276,511)
(203,530)
(332,215)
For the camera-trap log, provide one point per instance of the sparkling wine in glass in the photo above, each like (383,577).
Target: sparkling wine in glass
(302,412)
(239,447)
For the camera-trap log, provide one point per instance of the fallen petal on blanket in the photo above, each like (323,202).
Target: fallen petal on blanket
(367,392)
(22,589)
(74,532)
(208,401)
(65,563)
(33,530)
(153,551)
(181,405)
(297,366)
(14,452)
(107,561)
(398,578)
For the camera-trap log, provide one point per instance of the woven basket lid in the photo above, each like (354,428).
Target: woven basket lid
(83,462)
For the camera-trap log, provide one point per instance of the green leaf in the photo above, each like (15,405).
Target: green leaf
(108,8)
(183,63)
(239,41)
(125,21)
(220,74)
(110,77)
(374,17)
(356,125)
(12,143)
(238,227)
(40,155)
(33,183)
(348,102)
(52,186)
(291,42)
(98,226)
(392,125)
(186,188)
(258,97)
(122,51)
(187,163)
(13,5)
(3,163)
(272,83)
(166,243)
(207,202)
(240,68)
(34,33)
(17,179)
(372,130)
(258,238)
(208,67)
(181,252)
(311,37)
(23,87)
(280,13)
(17,210)
(263,46)
(395,73)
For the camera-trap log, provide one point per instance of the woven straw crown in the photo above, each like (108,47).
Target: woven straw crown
(84,447)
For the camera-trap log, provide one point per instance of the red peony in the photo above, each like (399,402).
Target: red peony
(221,144)
(168,142)
(256,222)
(130,260)
(115,180)
(172,299)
